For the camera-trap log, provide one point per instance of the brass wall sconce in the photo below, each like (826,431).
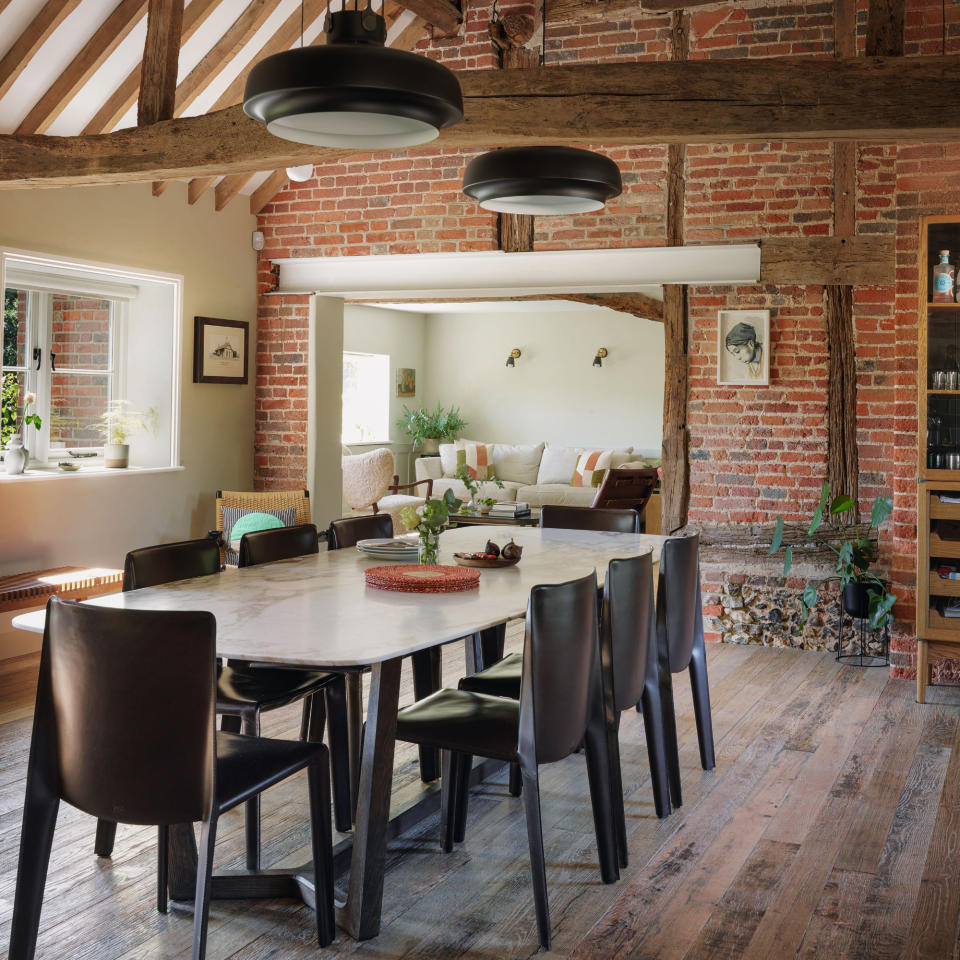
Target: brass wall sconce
(514,356)
(598,359)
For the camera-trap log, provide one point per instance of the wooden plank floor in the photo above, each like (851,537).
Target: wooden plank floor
(829,829)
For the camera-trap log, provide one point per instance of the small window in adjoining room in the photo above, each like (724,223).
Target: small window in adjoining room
(366,398)
(83,340)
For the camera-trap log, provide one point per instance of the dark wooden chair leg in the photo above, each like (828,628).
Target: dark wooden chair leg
(653,727)
(201,902)
(516,781)
(670,738)
(598,774)
(427,668)
(462,769)
(106,835)
(305,719)
(538,866)
(36,839)
(338,737)
(318,782)
(701,704)
(163,862)
(616,793)
(448,799)
(251,727)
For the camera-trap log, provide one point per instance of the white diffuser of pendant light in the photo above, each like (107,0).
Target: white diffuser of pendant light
(300,174)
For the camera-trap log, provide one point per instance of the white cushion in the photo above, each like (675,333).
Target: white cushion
(557,493)
(428,468)
(518,461)
(557,464)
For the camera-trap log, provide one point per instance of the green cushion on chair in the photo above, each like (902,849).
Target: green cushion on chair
(252,522)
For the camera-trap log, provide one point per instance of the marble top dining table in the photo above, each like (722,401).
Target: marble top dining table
(317,611)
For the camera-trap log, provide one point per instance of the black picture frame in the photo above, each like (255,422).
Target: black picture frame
(210,366)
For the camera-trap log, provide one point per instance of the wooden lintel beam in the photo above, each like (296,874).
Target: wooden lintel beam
(885,20)
(52,14)
(158,68)
(228,188)
(637,304)
(108,36)
(197,187)
(443,14)
(699,101)
(565,10)
(267,190)
(825,261)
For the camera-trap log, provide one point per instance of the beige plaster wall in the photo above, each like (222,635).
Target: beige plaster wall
(95,520)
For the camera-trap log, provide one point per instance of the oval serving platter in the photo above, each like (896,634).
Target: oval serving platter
(472,560)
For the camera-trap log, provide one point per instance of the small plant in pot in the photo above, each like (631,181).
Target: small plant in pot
(119,425)
(427,428)
(832,526)
(475,488)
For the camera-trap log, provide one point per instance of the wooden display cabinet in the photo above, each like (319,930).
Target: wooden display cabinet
(938,521)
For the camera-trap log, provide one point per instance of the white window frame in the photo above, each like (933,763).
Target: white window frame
(372,440)
(41,379)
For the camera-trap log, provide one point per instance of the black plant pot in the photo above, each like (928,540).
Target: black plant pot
(856,598)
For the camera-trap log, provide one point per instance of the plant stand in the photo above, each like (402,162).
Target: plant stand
(862,631)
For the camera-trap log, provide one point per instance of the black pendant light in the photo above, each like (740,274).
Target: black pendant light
(544,181)
(353,91)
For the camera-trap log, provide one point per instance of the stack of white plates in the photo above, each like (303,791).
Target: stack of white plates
(390,550)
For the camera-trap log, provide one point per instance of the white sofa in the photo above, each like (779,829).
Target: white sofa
(538,473)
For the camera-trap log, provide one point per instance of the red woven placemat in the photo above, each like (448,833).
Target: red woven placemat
(422,578)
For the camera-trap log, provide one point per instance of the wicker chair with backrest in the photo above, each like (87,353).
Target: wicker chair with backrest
(626,489)
(100,743)
(258,500)
(560,707)
(243,691)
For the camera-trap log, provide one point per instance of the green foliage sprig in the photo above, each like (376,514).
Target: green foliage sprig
(119,424)
(432,517)
(473,484)
(854,555)
(439,424)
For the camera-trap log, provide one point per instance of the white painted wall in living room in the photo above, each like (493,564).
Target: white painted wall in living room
(553,393)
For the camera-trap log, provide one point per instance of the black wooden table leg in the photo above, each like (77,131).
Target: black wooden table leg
(354,733)
(360,915)
(491,643)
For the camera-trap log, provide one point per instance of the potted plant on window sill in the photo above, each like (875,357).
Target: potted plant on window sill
(119,425)
(865,595)
(15,454)
(427,428)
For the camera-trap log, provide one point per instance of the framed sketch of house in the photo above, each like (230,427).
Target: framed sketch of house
(743,348)
(220,350)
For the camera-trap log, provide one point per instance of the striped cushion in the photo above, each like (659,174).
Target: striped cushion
(478,459)
(591,467)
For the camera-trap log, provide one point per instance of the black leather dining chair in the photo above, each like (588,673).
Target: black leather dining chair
(631,664)
(95,746)
(590,518)
(560,707)
(427,664)
(242,691)
(680,633)
(280,543)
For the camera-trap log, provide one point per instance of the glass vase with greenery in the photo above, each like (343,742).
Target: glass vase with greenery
(833,527)
(475,487)
(439,424)
(428,521)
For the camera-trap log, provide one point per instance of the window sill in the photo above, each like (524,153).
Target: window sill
(54,473)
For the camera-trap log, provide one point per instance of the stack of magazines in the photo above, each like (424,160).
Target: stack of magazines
(510,510)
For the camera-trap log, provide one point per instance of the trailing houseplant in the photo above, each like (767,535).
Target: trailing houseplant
(833,526)
(119,424)
(474,487)
(428,521)
(427,428)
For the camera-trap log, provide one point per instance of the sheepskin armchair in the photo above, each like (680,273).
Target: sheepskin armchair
(371,486)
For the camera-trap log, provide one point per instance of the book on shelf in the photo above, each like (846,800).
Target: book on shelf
(950,609)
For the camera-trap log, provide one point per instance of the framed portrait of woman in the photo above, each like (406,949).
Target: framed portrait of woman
(743,348)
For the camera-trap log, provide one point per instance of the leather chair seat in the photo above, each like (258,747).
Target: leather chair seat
(273,761)
(501,679)
(471,723)
(266,687)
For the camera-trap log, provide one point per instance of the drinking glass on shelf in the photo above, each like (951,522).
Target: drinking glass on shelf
(951,380)
(939,379)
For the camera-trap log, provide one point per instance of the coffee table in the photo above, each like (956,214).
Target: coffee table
(531,519)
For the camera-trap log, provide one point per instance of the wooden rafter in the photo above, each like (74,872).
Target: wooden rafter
(53,13)
(197,187)
(565,10)
(125,96)
(443,14)
(700,101)
(104,41)
(267,190)
(158,68)
(228,188)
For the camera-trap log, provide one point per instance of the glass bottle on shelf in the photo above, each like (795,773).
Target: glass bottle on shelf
(944,275)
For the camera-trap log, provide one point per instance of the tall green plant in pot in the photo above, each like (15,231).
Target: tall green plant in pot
(833,527)
(427,428)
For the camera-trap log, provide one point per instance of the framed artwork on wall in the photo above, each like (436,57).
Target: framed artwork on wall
(406,382)
(220,350)
(743,348)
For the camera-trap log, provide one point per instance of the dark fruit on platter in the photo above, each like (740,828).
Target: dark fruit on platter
(491,549)
(511,551)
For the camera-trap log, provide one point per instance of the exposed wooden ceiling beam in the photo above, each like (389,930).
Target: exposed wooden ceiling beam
(411,34)
(104,41)
(700,101)
(125,96)
(861,260)
(267,190)
(223,52)
(158,68)
(53,13)
(441,13)
(564,10)
(196,188)
(228,188)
